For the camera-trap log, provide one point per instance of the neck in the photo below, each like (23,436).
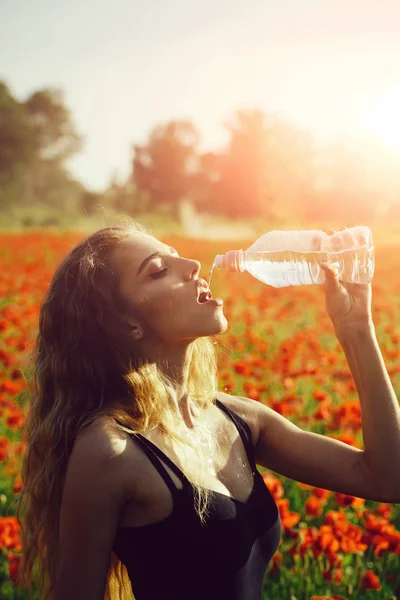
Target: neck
(175,365)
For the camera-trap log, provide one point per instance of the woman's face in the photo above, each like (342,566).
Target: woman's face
(162,291)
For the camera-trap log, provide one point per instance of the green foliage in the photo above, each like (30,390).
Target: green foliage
(269,171)
(265,170)
(36,138)
(16,143)
(50,122)
(166,166)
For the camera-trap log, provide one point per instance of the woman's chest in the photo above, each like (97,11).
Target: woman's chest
(220,464)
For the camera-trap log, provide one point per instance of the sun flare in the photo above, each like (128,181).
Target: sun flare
(384,118)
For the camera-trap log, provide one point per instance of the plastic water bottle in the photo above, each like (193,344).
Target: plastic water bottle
(284,258)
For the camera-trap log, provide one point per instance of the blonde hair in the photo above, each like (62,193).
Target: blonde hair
(83,358)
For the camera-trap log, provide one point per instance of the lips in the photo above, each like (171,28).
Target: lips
(203,291)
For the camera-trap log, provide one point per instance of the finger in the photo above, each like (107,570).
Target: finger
(331,276)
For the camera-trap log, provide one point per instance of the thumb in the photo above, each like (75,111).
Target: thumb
(331,277)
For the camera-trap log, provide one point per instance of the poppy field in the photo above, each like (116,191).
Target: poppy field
(280,349)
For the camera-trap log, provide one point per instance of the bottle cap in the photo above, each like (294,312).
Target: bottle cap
(219,261)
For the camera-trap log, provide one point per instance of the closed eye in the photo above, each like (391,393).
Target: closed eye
(158,273)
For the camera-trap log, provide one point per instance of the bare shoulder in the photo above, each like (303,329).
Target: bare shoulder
(102,443)
(102,437)
(246,409)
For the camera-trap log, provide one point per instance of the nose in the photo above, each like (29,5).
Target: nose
(193,267)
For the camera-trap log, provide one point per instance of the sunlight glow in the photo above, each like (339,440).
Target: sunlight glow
(384,118)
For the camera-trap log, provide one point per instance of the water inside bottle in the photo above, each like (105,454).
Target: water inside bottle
(285,268)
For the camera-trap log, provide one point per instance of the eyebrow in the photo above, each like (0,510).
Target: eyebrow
(154,255)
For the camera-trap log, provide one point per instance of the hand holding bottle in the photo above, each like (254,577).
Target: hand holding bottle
(348,304)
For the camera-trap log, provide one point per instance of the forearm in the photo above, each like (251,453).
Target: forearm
(380,412)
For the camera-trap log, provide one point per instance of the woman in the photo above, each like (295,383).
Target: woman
(139,474)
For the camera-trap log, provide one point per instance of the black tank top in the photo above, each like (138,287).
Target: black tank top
(180,559)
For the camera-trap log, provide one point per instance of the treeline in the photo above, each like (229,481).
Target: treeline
(268,168)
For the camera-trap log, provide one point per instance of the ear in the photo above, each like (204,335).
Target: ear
(135,329)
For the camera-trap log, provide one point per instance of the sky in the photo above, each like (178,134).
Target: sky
(331,67)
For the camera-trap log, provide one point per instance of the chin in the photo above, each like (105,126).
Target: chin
(208,327)
(212,331)
(219,326)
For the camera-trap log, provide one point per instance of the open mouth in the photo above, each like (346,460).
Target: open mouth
(204,297)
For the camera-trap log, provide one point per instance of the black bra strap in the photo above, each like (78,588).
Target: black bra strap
(156,450)
(244,431)
(155,454)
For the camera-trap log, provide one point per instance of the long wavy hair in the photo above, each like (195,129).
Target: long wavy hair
(84,359)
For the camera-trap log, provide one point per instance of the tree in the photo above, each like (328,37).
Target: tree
(16,140)
(36,138)
(124,197)
(53,132)
(264,171)
(165,168)
(55,140)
